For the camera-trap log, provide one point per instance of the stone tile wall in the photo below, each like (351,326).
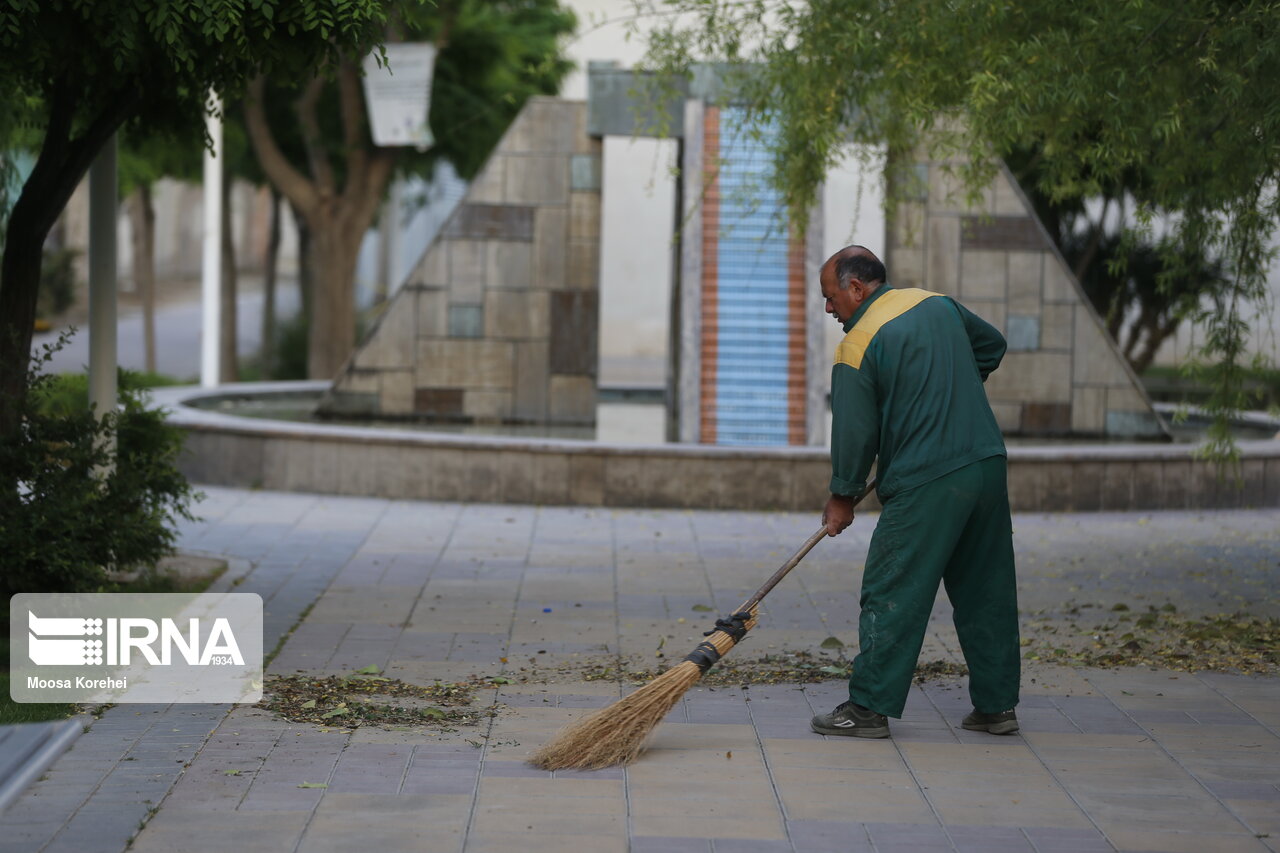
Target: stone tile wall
(1062,375)
(498,321)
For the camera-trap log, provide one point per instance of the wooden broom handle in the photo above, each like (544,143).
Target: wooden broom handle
(751,603)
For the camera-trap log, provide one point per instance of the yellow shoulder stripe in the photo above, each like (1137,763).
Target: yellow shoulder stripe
(892,304)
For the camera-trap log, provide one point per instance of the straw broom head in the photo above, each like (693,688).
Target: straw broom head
(616,734)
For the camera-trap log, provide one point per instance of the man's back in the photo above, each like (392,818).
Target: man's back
(907,387)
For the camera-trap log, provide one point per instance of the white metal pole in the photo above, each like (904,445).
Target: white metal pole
(211,266)
(103,207)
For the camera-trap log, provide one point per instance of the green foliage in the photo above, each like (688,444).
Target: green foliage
(144,158)
(1143,286)
(70,524)
(498,55)
(163,58)
(1181,94)
(77,71)
(290,358)
(311,138)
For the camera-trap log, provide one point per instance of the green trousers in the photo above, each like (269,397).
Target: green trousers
(956,530)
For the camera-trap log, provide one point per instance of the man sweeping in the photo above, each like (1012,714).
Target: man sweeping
(906,393)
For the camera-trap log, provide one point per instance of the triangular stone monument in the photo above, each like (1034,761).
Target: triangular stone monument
(498,321)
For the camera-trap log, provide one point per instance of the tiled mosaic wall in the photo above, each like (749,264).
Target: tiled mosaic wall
(1062,374)
(752,359)
(498,321)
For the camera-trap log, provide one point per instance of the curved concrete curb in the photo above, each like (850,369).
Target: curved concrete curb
(35,746)
(400,463)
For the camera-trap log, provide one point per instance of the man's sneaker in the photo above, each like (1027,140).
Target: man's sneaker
(1003,723)
(851,720)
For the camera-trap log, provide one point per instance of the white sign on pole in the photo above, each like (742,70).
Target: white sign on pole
(399,94)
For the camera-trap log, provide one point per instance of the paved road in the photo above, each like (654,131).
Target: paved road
(1132,759)
(178,334)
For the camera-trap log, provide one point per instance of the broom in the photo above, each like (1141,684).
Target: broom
(616,734)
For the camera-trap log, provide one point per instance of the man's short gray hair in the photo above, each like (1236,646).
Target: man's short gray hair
(864,267)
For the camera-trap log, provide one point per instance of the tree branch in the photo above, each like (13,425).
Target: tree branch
(363,207)
(64,160)
(448,14)
(312,140)
(1157,335)
(291,183)
(57,139)
(1095,239)
(351,102)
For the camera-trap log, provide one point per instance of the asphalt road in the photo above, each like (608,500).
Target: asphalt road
(178,334)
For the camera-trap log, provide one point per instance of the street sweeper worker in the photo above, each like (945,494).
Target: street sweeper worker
(907,394)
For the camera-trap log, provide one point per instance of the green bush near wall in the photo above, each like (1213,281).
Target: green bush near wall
(70,510)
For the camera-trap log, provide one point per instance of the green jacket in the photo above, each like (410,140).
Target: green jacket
(907,387)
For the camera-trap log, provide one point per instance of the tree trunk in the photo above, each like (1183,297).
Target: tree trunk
(1115,320)
(336,218)
(1157,334)
(269,266)
(54,178)
(331,336)
(1097,232)
(143,214)
(63,161)
(1135,331)
(306,281)
(19,287)
(228,355)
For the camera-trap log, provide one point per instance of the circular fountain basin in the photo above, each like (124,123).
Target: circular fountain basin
(264,449)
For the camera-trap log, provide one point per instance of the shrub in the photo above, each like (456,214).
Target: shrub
(288,357)
(57,282)
(67,514)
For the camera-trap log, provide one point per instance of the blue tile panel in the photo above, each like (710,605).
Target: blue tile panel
(750,396)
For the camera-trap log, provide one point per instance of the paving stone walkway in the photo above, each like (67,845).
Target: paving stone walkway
(1129,760)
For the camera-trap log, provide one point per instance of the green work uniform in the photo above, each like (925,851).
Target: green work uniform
(906,393)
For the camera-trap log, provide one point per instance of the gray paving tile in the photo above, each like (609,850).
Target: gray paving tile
(892,833)
(514,770)
(1042,835)
(9,845)
(1242,790)
(750,845)
(995,846)
(811,837)
(668,844)
(628,574)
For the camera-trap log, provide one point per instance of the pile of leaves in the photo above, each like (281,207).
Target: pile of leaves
(1160,637)
(367,697)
